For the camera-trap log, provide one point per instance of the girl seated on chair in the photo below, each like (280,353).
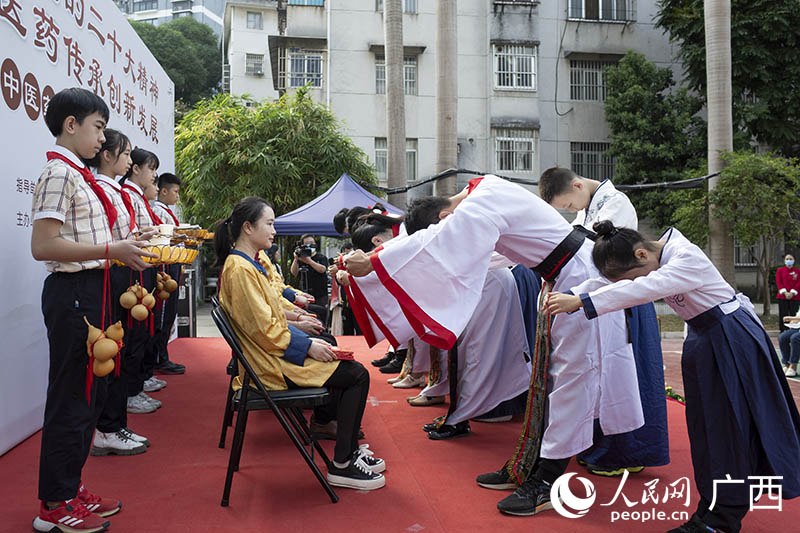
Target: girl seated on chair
(282,355)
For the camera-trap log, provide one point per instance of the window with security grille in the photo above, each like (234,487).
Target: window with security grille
(515,149)
(587,79)
(746,256)
(145,5)
(254,21)
(515,67)
(612,10)
(254,64)
(381,151)
(409,75)
(305,67)
(589,159)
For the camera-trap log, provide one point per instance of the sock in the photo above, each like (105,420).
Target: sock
(337,464)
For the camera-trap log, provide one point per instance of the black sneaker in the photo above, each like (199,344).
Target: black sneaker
(695,525)
(531,497)
(383,360)
(395,366)
(376,464)
(433,426)
(356,475)
(168,367)
(499,480)
(450,431)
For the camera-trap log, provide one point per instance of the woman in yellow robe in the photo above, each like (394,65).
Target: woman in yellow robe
(281,355)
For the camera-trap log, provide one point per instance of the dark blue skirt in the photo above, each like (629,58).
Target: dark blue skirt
(741,416)
(648,445)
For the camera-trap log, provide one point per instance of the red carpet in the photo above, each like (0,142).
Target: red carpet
(177,485)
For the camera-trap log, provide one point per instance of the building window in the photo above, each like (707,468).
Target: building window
(409,75)
(254,64)
(618,10)
(254,20)
(590,160)
(515,149)
(746,256)
(181,14)
(409,6)
(145,5)
(515,67)
(181,5)
(305,67)
(381,151)
(306,2)
(587,79)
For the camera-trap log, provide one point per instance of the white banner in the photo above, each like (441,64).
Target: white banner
(46,46)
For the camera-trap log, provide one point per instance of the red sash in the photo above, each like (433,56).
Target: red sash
(88,177)
(153,218)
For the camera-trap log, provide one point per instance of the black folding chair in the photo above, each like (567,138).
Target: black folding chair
(287,406)
(232,370)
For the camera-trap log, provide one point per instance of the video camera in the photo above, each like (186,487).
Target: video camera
(305,250)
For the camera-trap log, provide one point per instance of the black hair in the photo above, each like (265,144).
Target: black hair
(116,142)
(370,225)
(73,102)
(305,236)
(613,252)
(378,208)
(555,181)
(348,245)
(271,251)
(141,157)
(352,217)
(166,179)
(340,220)
(422,212)
(248,209)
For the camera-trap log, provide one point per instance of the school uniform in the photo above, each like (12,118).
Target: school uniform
(436,277)
(115,414)
(165,311)
(648,445)
(72,291)
(740,414)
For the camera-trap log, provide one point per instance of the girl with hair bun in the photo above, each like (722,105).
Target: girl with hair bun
(741,417)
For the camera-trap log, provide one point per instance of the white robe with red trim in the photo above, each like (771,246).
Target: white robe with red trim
(437,276)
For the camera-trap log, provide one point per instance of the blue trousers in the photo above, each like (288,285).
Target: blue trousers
(789,342)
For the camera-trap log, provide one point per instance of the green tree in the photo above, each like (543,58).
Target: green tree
(757,194)
(288,151)
(655,130)
(185,61)
(206,46)
(765,64)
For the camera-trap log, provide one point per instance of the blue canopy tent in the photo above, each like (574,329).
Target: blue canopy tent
(316,217)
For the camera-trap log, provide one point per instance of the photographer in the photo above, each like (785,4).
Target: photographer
(311,269)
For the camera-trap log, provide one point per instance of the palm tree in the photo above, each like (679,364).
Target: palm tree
(395,100)
(720,123)
(446,94)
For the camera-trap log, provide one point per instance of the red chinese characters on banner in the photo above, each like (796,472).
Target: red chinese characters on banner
(115,46)
(75,63)
(154,129)
(75,7)
(47,94)
(92,28)
(11,83)
(141,121)
(31,98)
(46,34)
(114,94)
(130,107)
(96,78)
(128,68)
(142,78)
(10,11)
(153,90)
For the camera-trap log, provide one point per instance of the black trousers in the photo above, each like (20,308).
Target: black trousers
(69,420)
(549,470)
(727,518)
(786,308)
(349,386)
(349,323)
(137,339)
(164,315)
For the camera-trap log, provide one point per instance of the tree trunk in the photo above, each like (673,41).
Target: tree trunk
(767,252)
(720,124)
(446,95)
(395,100)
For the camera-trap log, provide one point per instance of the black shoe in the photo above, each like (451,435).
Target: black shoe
(433,426)
(385,360)
(695,525)
(356,475)
(448,431)
(395,366)
(531,497)
(168,367)
(499,480)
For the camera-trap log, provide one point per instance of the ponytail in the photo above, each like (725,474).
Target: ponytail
(248,209)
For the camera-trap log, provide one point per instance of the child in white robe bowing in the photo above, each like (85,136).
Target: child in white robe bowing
(437,275)
(741,416)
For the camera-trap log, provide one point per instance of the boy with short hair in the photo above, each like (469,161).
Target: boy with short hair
(71,233)
(169,186)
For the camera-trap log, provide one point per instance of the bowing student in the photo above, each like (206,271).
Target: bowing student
(282,355)
(611,455)
(740,414)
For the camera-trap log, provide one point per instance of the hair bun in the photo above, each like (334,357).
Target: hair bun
(604,227)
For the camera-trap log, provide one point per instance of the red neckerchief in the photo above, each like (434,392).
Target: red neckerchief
(126,199)
(473,183)
(395,230)
(174,218)
(88,177)
(153,218)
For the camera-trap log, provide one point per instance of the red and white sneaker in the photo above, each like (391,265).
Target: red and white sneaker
(69,517)
(100,506)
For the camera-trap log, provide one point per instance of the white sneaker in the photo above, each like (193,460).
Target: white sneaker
(153,385)
(376,464)
(116,443)
(395,379)
(159,380)
(410,382)
(138,405)
(134,437)
(791,372)
(152,401)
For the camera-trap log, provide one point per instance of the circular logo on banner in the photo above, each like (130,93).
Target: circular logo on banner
(12,84)
(32,99)
(564,502)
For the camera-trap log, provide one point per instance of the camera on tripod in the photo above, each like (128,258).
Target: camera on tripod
(305,250)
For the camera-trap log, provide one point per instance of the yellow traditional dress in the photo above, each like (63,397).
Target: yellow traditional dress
(272,347)
(287,292)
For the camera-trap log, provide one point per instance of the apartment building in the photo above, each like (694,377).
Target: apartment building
(159,11)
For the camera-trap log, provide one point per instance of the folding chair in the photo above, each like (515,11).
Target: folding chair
(232,370)
(287,406)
